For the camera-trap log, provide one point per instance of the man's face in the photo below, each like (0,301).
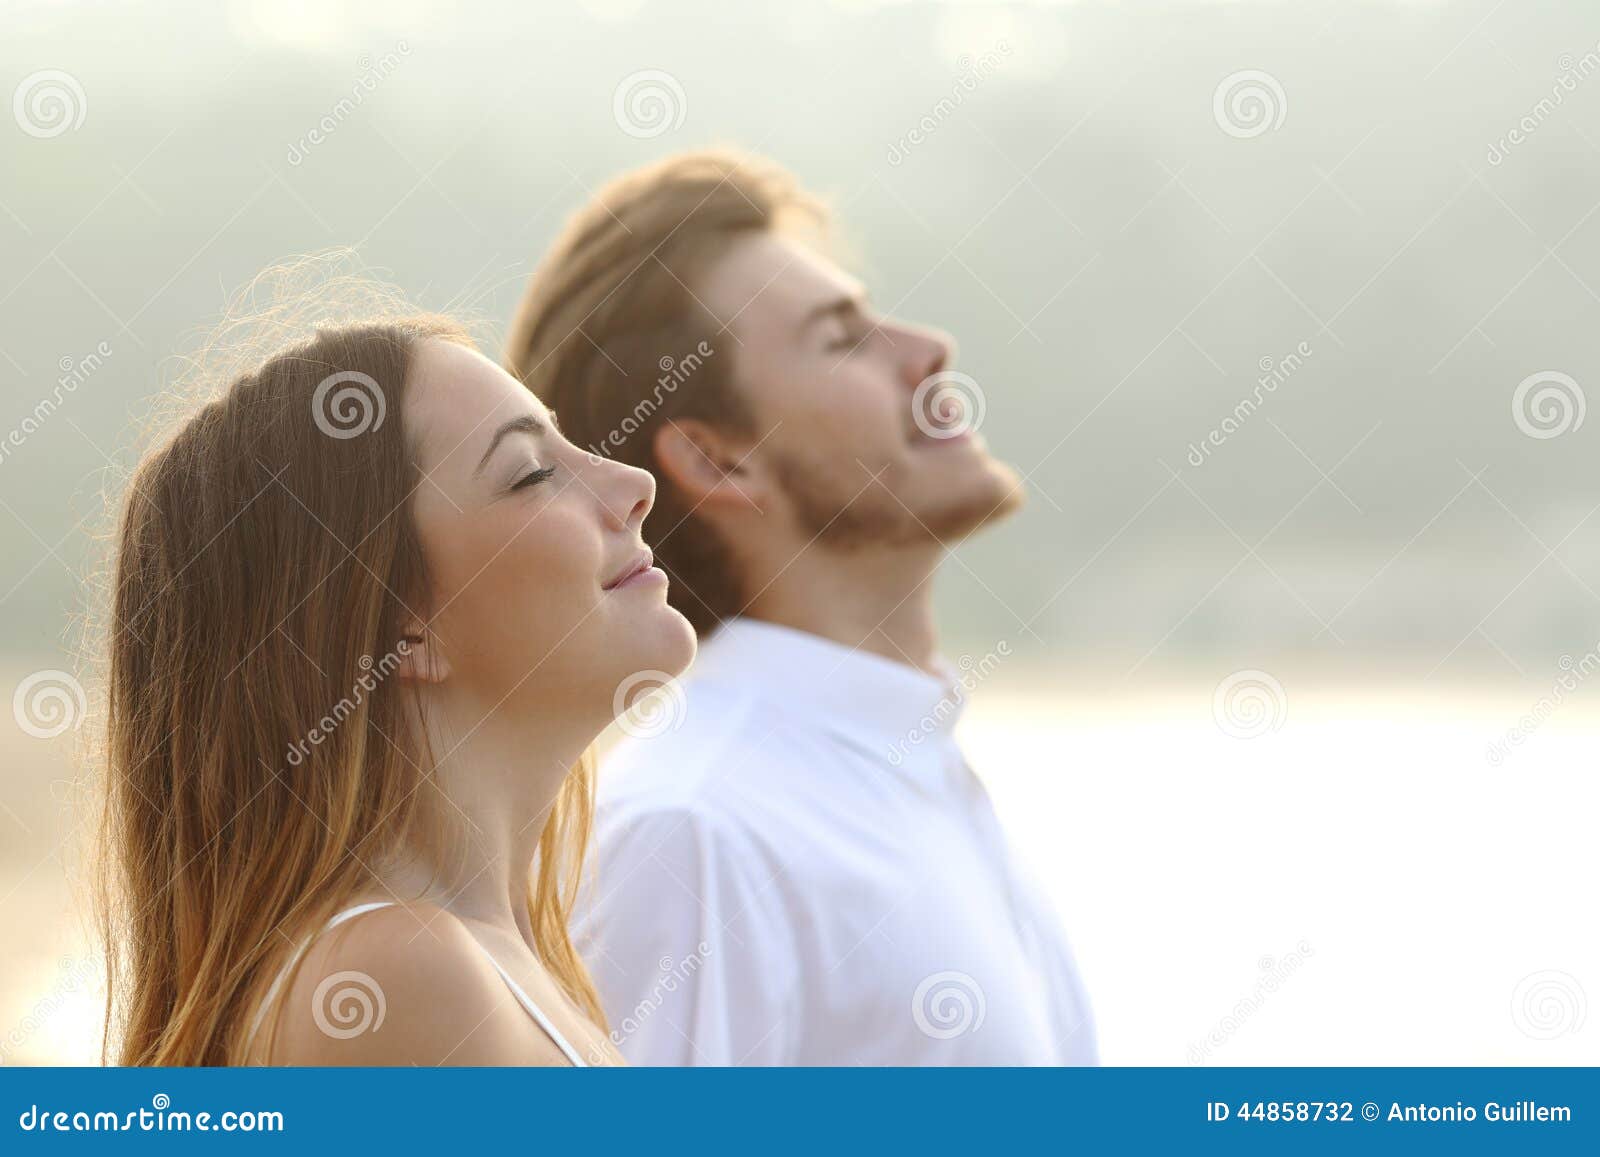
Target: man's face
(860,452)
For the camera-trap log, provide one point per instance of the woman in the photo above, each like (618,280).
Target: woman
(369,610)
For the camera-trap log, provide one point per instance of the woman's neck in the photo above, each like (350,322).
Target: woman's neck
(499,781)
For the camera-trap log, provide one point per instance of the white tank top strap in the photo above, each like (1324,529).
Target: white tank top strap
(537,1013)
(351,913)
(522,997)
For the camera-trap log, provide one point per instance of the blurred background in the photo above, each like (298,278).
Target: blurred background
(1286,311)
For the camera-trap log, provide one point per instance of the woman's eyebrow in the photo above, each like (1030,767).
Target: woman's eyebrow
(522,424)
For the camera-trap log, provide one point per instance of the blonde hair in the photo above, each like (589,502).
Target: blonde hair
(257,578)
(611,306)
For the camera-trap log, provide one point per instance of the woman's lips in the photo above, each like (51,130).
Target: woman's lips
(642,569)
(649,576)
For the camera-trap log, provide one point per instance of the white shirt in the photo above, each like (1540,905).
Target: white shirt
(782,877)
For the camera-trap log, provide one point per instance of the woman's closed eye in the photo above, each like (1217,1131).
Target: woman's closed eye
(534,477)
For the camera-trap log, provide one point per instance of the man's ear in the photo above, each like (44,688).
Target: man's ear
(708,466)
(421,656)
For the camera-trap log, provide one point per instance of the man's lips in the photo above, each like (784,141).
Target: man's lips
(942,436)
(641,563)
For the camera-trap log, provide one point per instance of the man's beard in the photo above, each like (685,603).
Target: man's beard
(849,510)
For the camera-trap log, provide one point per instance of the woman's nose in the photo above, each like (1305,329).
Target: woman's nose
(631,495)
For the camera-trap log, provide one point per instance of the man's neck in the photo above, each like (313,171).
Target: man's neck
(875,601)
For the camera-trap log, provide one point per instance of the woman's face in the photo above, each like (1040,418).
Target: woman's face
(532,545)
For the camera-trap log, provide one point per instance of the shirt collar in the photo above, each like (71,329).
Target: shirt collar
(890,706)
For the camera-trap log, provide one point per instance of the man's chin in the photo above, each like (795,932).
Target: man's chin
(996,495)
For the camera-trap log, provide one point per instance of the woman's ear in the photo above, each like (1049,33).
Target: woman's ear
(707,466)
(421,657)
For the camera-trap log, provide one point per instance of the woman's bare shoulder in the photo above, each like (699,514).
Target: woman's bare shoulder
(403,985)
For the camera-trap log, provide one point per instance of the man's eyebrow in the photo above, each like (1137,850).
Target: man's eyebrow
(842,306)
(522,424)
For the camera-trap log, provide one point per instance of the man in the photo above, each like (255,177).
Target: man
(794,863)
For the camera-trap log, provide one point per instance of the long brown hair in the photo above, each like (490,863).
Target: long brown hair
(257,761)
(612,305)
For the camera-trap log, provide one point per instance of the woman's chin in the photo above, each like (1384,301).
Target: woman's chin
(660,642)
(678,642)
(648,699)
